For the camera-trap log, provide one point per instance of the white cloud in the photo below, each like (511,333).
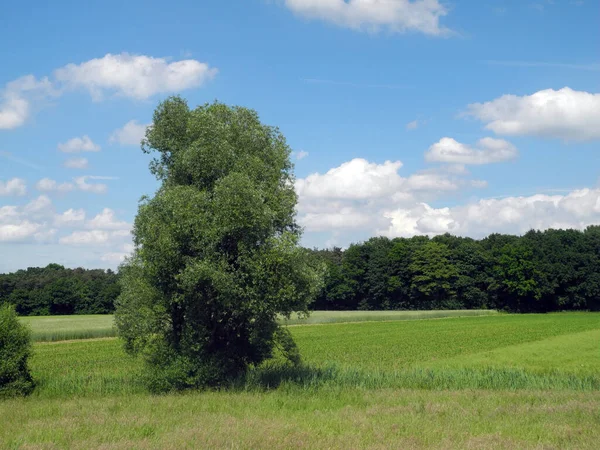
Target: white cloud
(19,231)
(412,125)
(14,186)
(49,185)
(132,133)
(513,215)
(301,155)
(355,195)
(79,183)
(96,188)
(86,237)
(25,223)
(485,151)
(39,206)
(563,114)
(372,15)
(70,218)
(136,76)
(107,220)
(430,181)
(13,111)
(356,179)
(94,237)
(118,257)
(16,96)
(76,163)
(79,144)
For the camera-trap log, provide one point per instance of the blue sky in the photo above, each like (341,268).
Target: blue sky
(406,118)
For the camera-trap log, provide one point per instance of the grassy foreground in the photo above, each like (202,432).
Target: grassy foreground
(61,328)
(506,381)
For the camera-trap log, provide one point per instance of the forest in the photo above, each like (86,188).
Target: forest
(56,290)
(541,271)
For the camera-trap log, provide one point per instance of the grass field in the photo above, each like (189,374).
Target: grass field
(503,381)
(60,328)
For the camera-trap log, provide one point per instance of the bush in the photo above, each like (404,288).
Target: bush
(15,349)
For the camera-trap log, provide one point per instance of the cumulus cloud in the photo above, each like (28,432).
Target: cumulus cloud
(79,144)
(79,183)
(49,185)
(13,187)
(514,215)
(373,15)
(70,218)
(354,195)
(16,97)
(26,223)
(107,220)
(76,163)
(131,133)
(93,237)
(356,179)
(18,232)
(103,238)
(135,76)
(485,151)
(564,114)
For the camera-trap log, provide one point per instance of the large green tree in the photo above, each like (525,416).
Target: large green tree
(217,256)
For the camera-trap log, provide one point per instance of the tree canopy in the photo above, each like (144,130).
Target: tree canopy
(56,290)
(216,248)
(540,271)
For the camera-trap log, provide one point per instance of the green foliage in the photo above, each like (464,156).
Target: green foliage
(553,270)
(15,350)
(217,257)
(55,290)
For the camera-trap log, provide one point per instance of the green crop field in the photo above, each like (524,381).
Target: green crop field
(61,328)
(500,381)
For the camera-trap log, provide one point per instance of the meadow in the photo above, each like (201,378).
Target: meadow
(496,381)
(62,328)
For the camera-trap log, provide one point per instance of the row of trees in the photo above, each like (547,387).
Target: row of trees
(56,290)
(538,272)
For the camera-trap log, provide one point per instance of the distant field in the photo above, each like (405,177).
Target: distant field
(502,381)
(61,328)
(317,317)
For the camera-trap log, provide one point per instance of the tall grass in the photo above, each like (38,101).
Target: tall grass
(284,376)
(62,328)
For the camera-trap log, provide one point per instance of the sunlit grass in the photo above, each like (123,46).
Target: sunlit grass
(506,381)
(61,328)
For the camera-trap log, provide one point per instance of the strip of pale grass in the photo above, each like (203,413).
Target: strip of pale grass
(330,418)
(62,328)
(318,317)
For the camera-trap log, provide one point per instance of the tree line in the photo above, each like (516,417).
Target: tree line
(541,271)
(56,290)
